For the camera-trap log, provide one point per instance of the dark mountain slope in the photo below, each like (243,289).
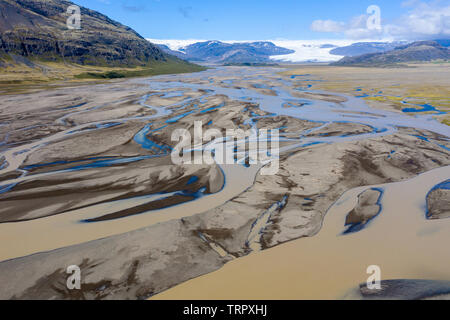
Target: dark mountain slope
(37,30)
(360,48)
(421,51)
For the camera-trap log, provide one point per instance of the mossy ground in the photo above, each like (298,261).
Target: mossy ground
(162,68)
(384,87)
(17,78)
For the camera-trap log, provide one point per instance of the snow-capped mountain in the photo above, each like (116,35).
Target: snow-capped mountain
(278,50)
(218,52)
(289,51)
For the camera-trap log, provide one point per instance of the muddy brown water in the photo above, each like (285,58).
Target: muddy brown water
(401,241)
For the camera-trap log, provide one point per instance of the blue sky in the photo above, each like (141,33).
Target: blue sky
(265,19)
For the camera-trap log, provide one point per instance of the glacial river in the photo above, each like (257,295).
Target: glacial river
(400,240)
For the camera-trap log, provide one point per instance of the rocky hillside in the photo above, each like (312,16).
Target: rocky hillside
(36,30)
(421,51)
(360,48)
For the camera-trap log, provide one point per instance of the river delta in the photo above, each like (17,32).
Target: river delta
(87,179)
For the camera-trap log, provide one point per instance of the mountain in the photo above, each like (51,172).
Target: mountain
(36,30)
(327,46)
(360,48)
(420,51)
(443,42)
(225,53)
(174,53)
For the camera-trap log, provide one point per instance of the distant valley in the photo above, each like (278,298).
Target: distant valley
(37,45)
(338,53)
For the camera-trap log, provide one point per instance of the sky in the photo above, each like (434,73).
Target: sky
(278,19)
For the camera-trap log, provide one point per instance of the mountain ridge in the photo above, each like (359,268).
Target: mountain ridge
(419,51)
(218,52)
(360,48)
(36,29)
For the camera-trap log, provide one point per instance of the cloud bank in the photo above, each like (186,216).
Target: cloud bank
(423,20)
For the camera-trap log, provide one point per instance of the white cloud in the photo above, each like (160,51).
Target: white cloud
(356,28)
(327,26)
(423,20)
(427,20)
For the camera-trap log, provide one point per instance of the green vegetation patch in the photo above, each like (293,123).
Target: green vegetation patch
(157,69)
